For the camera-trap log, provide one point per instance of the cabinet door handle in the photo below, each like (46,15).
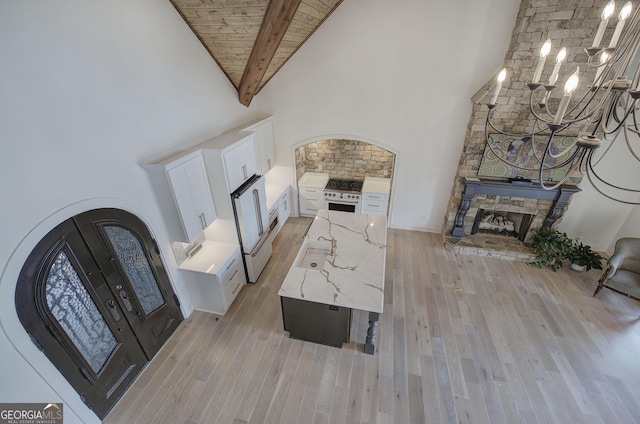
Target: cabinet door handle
(234,290)
(231,264)
(244,171)
(203,221)
(234,274)
(268,163)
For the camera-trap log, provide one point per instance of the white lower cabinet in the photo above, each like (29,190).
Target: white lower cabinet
(375,196)
(374,204)
(215,293)
(284,208)
(311,200)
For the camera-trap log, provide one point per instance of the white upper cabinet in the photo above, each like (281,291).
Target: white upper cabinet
(183,193)
(240,163)
(193,196)
(263,145)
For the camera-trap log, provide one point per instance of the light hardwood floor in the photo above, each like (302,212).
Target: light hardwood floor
(462,339)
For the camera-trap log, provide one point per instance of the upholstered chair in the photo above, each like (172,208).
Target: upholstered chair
(622,274)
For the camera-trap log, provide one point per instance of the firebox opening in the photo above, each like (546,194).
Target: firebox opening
(509,224)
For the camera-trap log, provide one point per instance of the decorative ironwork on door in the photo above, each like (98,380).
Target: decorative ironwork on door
(135,264)
(76,312)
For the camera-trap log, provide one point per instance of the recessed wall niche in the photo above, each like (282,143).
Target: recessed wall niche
(345,159)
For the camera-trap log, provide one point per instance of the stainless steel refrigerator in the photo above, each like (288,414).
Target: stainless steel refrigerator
(252,222)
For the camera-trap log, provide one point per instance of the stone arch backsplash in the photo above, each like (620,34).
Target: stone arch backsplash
(345,159)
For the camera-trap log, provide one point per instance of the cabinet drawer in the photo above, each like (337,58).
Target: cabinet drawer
(308,209)
(311,190)
(375,197)
(374,205)
(232,282)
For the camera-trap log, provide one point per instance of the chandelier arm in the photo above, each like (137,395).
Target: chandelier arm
(501,158)
(547,150)
(564,152)
(610,197)
(566,161)
(583,114)
(635,120)
(533,147)
(493,127)
(595,174)
(559,183)
(597,161)
(629,146)
(620,122)
(532,110)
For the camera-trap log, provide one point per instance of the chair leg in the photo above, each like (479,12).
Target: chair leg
(602,280)
(597,289)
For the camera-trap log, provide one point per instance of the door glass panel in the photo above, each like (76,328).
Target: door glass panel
(136,265)
(76,312)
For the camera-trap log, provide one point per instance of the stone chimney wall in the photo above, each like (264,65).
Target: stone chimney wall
(568,23)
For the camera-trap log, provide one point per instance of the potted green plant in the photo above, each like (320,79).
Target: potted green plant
(582,257)
(551,247)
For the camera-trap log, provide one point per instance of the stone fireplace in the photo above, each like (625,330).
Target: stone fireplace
(508,212)
(569,24)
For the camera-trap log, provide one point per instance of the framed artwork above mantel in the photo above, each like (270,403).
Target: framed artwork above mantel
(519,150)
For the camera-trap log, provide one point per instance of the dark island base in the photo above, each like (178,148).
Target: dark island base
(316,322)
(324,324)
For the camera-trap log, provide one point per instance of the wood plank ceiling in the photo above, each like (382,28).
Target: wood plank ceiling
(252,39)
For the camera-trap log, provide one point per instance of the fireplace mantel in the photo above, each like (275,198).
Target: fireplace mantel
(475,186)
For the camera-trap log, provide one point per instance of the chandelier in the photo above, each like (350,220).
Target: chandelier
(578,133)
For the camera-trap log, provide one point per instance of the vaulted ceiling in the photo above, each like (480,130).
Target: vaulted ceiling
(252,39)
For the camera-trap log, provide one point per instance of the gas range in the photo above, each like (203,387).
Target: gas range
(335,184)
(343,191)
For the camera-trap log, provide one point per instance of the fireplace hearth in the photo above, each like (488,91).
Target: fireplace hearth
(496,218)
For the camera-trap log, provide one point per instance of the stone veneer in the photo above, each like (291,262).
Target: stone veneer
(568,23)
(347,159)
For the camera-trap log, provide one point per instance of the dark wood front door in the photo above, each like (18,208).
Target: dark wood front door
(94,297)
(130,261)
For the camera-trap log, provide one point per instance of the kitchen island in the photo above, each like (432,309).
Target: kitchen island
(340,267)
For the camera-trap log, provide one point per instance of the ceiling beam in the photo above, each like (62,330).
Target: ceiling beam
(275,24)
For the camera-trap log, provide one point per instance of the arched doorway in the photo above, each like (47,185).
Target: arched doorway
(95,298)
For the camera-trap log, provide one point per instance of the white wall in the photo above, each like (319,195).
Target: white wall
(629,228)
(87,90)
(399,74)
(594,218)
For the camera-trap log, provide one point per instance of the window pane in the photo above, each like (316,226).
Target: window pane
(73,307)
(136,265)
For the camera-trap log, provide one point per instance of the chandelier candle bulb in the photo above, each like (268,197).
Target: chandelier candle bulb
(606,14)
(559,59)
(624,14)
(544,51)
(569,87)
(501,76)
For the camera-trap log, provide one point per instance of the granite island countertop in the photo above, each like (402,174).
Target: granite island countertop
(351,271)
